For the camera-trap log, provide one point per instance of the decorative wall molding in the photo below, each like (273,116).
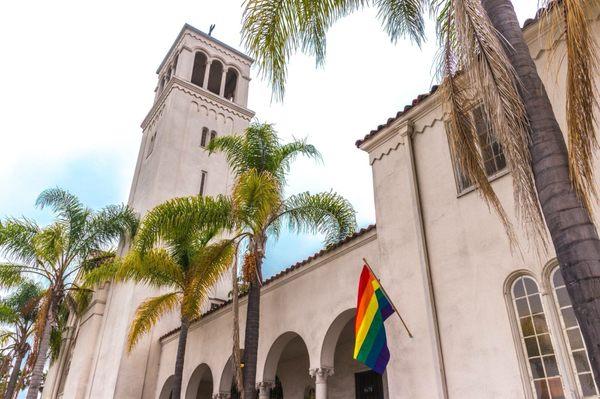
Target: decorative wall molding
(197,92)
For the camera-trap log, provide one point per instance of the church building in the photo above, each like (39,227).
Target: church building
(486,322)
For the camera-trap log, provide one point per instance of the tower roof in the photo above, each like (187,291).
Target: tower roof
(188,27)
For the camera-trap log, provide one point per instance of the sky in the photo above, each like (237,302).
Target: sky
(78,78)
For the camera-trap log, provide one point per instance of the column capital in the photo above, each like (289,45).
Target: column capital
(265,385)
(321,373)
(222,395)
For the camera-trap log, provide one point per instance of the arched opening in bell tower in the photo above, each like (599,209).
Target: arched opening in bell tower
(214,77)
(199,70)
(230,84)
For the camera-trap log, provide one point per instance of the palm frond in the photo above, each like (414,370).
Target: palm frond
(274,29)
(402,18)
(256,196)
(477,50)
(582,99)
(68,208)
(176,218)
(111,223)
(234,149)
(288,152)
(147,314)
(155,267)
(51,243)
(16,239)
(326,213)
(461,132)
(11,275)
(207,268)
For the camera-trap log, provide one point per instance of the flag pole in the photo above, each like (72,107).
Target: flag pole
(388,297)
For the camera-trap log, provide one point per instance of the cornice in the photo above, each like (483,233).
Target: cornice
(393,136)
(215,44)
(198,92)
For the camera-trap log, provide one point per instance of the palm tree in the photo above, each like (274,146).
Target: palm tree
(175,252)
(261,163)
(58,253)
(19,310)
(552,182)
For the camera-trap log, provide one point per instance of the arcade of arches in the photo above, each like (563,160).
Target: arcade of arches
(287,373)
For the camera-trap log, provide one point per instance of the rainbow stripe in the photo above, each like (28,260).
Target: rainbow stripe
(372,309)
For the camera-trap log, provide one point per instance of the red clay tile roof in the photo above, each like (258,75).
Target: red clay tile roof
(284,272)
(407,108)
(422,97)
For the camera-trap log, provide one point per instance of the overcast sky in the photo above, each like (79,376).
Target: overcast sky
(78,77)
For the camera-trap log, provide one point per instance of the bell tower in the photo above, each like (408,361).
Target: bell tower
(201,93)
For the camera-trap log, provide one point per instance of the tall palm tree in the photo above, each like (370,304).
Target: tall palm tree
(56,254)
(552,182)
(259,209)
(175,252)
(19,311)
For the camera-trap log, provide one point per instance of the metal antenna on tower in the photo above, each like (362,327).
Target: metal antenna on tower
(211,29)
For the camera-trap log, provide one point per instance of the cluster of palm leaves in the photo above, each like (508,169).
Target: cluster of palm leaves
(54,257)
(185,245)
(18,313)
(181,249)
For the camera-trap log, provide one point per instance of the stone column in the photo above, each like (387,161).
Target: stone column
(223,78)
(320,376)
(264,389)
(206,73)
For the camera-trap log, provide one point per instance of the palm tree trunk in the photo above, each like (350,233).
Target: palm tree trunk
(37,374)
(178,376)
(239,379)
(573,233)
(252,326)
(14,375)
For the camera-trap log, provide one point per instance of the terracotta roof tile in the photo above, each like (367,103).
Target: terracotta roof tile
(407,108)
(540,13)
(284,272)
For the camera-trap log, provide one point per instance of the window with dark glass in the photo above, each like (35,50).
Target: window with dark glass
(576,347)
(202,182)
(489,147)
(536,340)
(204,137)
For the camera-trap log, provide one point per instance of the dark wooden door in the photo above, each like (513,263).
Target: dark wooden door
(369,385)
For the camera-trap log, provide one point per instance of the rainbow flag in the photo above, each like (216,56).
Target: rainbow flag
(372,309)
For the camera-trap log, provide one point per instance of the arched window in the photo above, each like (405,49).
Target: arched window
(570,328)
(213,135)
(151,144)
(230,84)
(214,77)
(199,69)
(204,137)
(537,344)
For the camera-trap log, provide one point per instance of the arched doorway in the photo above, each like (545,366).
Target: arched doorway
(287,368)
(167,390)
(350,378)
(200,385)
(227,383)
